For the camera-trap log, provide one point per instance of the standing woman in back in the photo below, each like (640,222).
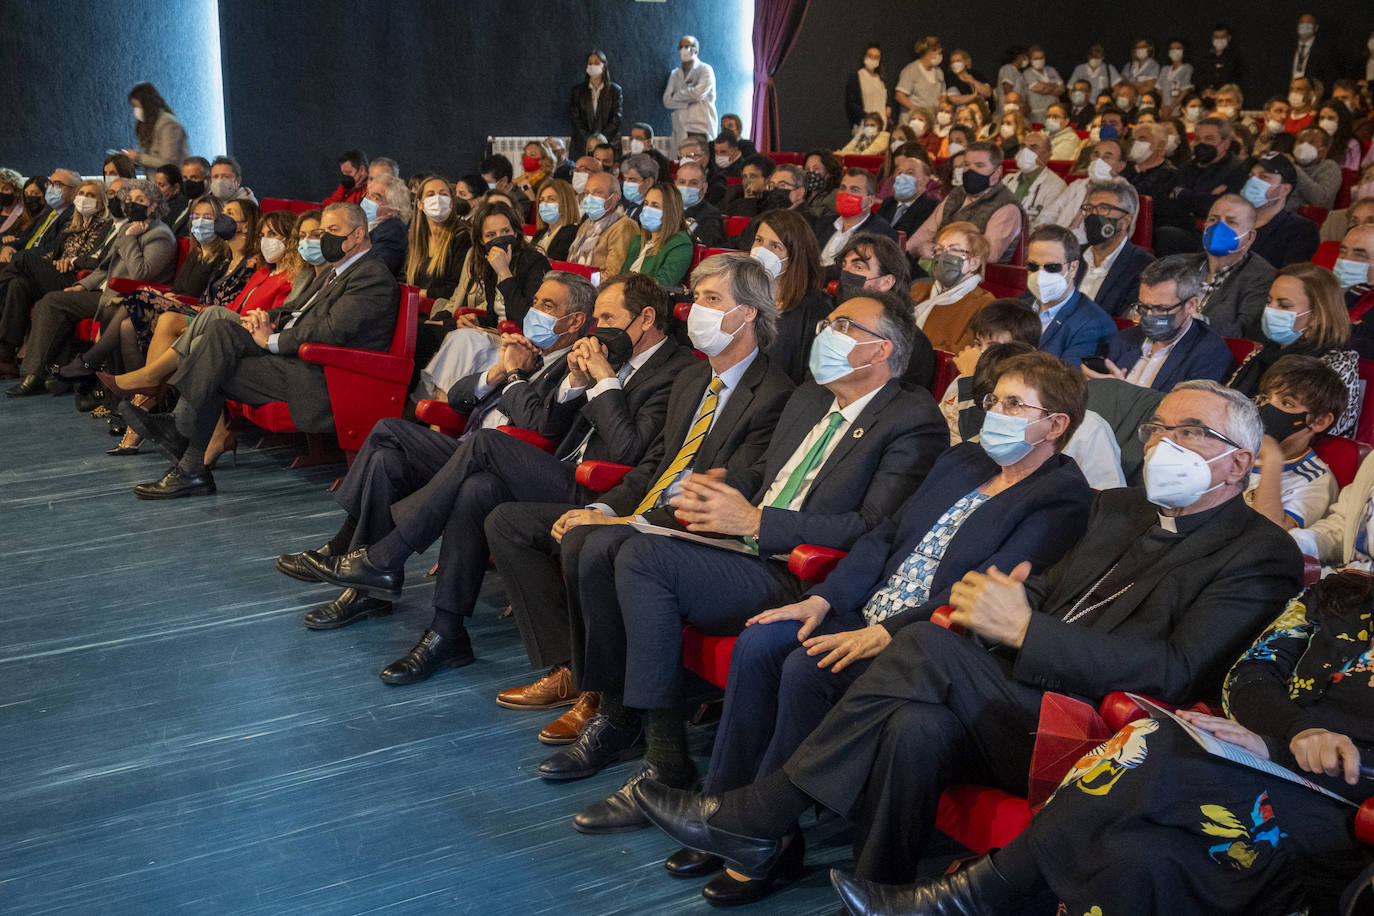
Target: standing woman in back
(161,138)
(866,90)
(595,105)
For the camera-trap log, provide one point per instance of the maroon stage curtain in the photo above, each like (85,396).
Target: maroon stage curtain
(776,26)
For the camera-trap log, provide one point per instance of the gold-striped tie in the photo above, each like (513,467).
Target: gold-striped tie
(38,235)
(700,427)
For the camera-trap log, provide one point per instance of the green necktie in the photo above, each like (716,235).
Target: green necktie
(799,474)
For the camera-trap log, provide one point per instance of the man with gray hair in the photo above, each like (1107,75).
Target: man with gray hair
(1167,345)
(848,450)
(1111,262)
(691,93)
(1165,589)
(257,359)
(1034,184)
(638,173)
(48,223)
(383,165)
(387,206)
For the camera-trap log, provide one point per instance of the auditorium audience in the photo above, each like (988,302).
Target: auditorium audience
(388,207)
(854,208)
(704,221)
(870,139)
(866,90)
(1236,286)
(1033,185)
(1318,178)
(910,203)
(1214,170)
(1299,398)
(46,222)
(226,180)
(921,82)
(604,236)
(1106,161)
(438,243)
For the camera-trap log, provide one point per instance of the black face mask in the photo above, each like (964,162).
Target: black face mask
(115,206)
(619,346)
(850,285)
(1099,229)
(331,246)
(136,212)
(1280,423)
(225,227)
(976,182)
(501,241)
(777,199)
(192,189)
(1159,328)
(346,182)
(32,204)
(6,200)
(1205,154)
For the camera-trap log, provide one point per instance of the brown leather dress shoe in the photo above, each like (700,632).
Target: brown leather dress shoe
(566,728)
(551,691)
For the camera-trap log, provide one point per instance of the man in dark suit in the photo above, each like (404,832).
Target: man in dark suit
(1165,589)
(721,414)
(909,206)
(1072,326)
(1110,273)
(727,161)
(388,208)
(42,233)
(704,220)
(854,201)
(1312,57)
(351,305)
(1168,345)
(1282,237)
(409,483)
(845,454)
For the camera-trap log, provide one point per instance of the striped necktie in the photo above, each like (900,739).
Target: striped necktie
(38,236)
(700,427)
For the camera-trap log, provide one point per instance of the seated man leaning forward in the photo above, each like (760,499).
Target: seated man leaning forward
(1165,588)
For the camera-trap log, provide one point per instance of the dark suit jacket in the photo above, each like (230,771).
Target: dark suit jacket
(708,224)
(883,457)
(179,216)
(585,121)
(1077,329)
(1038,519)
(561,242)
(737,438)
(48,240)
(791,351)
(911,220)
(1181,624)
(529,405)
(389,242)
(1287,239)
(1200,354)
(627,419)
(1121,287)
(1321,64)
(825,227)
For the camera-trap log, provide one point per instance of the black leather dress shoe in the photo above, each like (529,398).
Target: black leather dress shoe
(354,570)
(977,889)
(686,817)
(350,607)
(295,566)
(158,428)
(689,863)
(601,743)
(430,654)
(725,890)
(175,485)
(86,401)
(27,388)
(619,813)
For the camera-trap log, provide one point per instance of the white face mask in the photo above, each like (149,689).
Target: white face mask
(85,205)
(917,127)
(870,63)
(956,148)
(943,118)
(636,147)
(939,59)
(1306,29)
(1007,130)
(1140,151)
(1296,99)
(686,54)
(769,259)
(958,174)
(138,112)
(1273,125)
(957,66)
(1170,144)
(1010,106)
(1220,43)
(1175,54)
(1026,160)
(1226,111)
(723,162)
(1053,125)
(1176,477)
(1193,113)
(1100,170)
(1047,287)
(703,327)
(1330,125)
(595,70)
(870,131)
(579,181)
(1305,153)
(1038,64)
(1142,53)
(438,207)
(272,250)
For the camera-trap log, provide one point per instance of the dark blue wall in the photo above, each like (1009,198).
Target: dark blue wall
(426,83)
(831,44)
(67,67)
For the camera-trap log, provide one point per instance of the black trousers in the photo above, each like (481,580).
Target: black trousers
(932,709)
(24,280)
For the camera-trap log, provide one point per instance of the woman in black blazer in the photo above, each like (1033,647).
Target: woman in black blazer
(971,512)
(599,117)
(557,216)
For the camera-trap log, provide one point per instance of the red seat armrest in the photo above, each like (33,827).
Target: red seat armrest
(440,414)
(601,476)
(1364,823)
(128,285)
(366,362)
(530,436)
(941,618)
(1311,570)
(1118,710)
(811,563)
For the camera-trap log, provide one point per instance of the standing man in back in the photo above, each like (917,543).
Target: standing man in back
(691,93)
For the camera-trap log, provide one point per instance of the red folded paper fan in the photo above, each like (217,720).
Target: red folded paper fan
(1068,729)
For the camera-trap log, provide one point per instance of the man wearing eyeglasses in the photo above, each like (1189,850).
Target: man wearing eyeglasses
(847,451)
(1111,263)
(1165,589)
(1166,346)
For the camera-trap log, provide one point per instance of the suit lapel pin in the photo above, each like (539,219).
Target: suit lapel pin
(858,433)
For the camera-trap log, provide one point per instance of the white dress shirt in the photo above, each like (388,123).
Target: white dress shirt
(1096,273)
(1145,370)
(566,392)
(850,413)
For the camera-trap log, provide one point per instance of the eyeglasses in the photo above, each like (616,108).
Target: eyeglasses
(949,249)
(1143,309)
(777,186)
(1012,406)
(844,326)
(1101,209)
(1185,434)
(1053,267)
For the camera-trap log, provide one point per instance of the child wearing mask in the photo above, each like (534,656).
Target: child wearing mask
(1300,397)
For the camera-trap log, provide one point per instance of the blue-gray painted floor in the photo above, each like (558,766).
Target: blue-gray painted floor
(175,740)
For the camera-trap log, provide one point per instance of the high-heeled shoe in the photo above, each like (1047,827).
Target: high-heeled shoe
(129,444)
(77,368)
(230,444)
(113,387)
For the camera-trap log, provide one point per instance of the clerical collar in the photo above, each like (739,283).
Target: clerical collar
(1187,524)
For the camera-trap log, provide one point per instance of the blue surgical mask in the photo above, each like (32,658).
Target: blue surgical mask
(539,328)
(548,212)
(1220,240)
(690,196)
(1003,437)
(651,218)
(1255,190)
(310,251)
(369,209)
(830,356)
(594,207)
(1350,273)
(53,196)
(1277,325)
(631,191)
(904,186)
(203,230)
